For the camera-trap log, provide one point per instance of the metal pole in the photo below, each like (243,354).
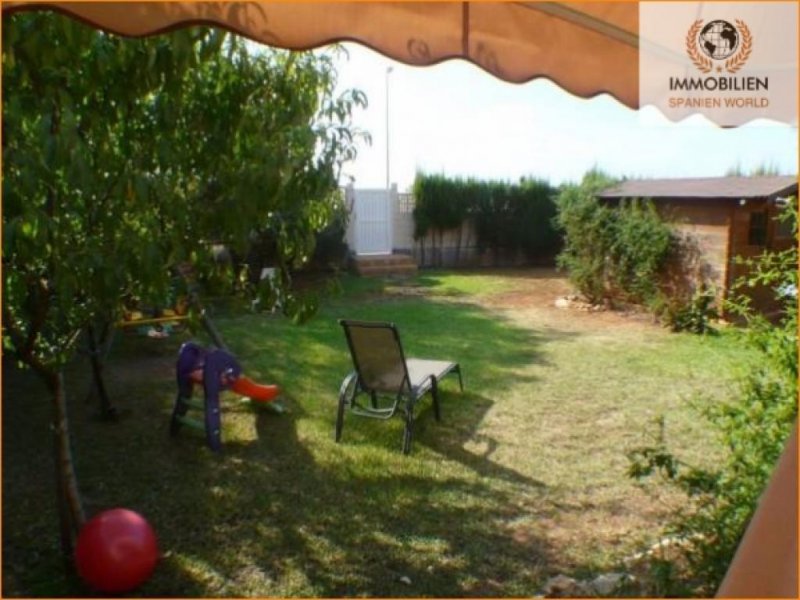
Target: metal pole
(388,71)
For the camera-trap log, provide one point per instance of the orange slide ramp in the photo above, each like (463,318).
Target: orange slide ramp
(244,386)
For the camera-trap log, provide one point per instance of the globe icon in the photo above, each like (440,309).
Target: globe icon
(719,39)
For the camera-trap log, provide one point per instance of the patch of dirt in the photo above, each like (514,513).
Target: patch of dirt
(539,290)
(543,291)
(408,290)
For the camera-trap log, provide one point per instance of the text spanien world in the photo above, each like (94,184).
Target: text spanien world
(719,84)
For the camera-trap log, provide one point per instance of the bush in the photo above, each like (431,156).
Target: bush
(588,236)
(611,253)
(330,249)
(694,316)
(324,247)
(639,249)
(515,218)
(754,426)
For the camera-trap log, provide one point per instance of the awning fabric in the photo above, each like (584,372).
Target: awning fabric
(586,48)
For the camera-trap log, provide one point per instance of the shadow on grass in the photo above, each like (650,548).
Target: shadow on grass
(460,441)
(493,353)
(311,529)
(286,511)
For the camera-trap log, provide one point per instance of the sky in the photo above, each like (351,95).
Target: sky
(455,119)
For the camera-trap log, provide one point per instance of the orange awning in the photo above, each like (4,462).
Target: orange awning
(586,48)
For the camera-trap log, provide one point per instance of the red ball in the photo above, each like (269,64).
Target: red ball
(116,551)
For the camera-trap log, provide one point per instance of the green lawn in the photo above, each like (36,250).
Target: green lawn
(523,479)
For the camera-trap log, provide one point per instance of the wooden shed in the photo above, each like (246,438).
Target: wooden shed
(720,218)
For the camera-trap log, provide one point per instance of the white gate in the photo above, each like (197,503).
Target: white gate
(372,212)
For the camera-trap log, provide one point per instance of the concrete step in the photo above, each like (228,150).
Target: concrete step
(383,260)
(386,265)
(388,271)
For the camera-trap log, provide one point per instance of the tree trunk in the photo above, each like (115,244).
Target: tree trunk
(458,245)
(70,506)
(107,410)
(207,323)
(468,240)
(67,529)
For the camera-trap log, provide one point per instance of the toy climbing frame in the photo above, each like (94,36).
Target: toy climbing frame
(215,370)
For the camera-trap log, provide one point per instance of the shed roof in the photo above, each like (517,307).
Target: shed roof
(705,187)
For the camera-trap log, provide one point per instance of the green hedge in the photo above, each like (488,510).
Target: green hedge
(508,217)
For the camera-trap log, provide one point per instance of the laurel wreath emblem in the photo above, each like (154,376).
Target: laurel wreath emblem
(734,63)
(701,62)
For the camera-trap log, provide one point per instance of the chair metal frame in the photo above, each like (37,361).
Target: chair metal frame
(405,397)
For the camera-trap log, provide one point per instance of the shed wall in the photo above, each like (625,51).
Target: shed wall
(763,297)
(704,229)
(719,234)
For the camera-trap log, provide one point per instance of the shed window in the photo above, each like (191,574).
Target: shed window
(757,236)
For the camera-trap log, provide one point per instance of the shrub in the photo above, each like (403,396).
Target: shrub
(639,248)
(327,245)
(611,253)
(588,236)
(694,316)
(515,218)
(754,426)
(330,250)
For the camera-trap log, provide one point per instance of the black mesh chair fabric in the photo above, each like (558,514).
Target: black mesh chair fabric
(378,357)
(381,369)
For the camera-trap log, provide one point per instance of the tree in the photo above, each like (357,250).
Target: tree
(762,170)
(123,159)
